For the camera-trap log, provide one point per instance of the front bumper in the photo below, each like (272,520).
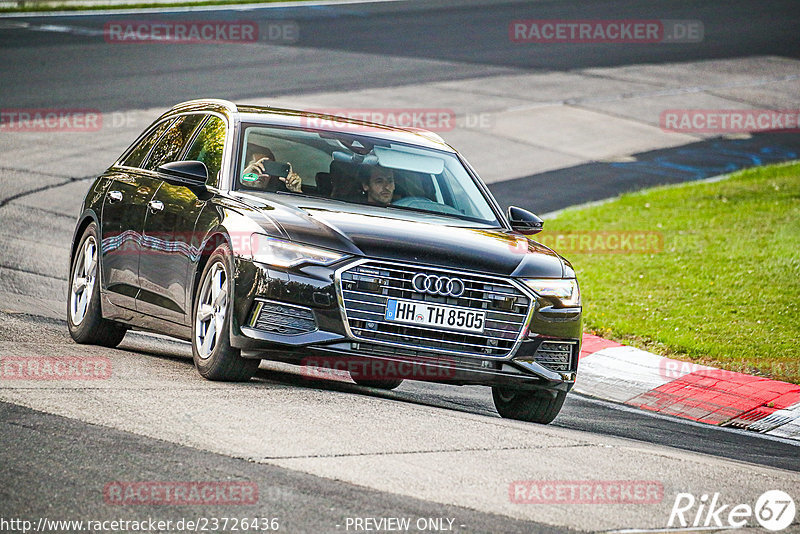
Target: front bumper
(318,336)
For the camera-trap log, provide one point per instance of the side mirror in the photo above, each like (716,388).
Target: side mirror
(191,174)
(523,221)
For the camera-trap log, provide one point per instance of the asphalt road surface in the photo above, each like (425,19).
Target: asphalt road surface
(65,61)
(322,452)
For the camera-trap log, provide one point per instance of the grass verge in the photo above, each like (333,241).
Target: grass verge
(724,289)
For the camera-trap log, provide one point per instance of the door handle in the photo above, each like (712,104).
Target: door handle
(114,196)
(155,206)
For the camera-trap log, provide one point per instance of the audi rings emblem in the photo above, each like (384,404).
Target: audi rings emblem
(438,285)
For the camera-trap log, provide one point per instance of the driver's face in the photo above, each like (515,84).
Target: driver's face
(380,188)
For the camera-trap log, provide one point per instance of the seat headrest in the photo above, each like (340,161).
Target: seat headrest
(324,183)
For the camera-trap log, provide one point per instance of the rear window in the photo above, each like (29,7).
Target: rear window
(140,151)
(171,144)
(208,147)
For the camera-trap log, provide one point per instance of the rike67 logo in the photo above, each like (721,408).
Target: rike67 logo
(774,510)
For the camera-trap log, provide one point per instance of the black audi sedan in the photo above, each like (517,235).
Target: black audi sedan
(260,233)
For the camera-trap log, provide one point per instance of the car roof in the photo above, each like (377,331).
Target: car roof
(315,121)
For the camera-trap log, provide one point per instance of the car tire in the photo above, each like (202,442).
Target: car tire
(84,314)
(524,405)
(213,355)
(389,383)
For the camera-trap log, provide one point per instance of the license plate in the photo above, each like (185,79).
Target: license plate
(420,313)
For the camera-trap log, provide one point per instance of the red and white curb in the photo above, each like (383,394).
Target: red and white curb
(627,375)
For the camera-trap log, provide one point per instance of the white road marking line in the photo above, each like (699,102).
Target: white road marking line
(178,9)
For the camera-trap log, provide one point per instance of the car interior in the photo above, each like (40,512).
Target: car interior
(334,166)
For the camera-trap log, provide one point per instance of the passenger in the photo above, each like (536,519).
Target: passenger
(377,186)
(257,155)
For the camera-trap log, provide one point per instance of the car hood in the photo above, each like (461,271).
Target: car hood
(412,237)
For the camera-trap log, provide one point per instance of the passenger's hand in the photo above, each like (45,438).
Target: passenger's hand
(293,182)
(257,167)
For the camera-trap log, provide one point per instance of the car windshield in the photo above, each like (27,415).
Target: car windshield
(359,169)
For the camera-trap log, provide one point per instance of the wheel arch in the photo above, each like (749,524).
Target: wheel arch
(87,217)
(213,240)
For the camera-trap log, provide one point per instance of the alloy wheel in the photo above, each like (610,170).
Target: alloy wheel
(83,278)
(211,309)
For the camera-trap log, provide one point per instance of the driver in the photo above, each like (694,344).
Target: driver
(259,154)
(378,186)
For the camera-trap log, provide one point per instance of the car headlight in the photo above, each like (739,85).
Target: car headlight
(566,291)
(274,251)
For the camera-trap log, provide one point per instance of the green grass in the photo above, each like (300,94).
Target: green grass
(33,7)
(725,289)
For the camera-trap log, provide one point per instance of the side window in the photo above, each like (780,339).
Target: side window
(207,147)
(172,142)
(138,154)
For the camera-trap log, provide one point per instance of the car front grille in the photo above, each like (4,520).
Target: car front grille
(280,318)
(366,288)
(555,355)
